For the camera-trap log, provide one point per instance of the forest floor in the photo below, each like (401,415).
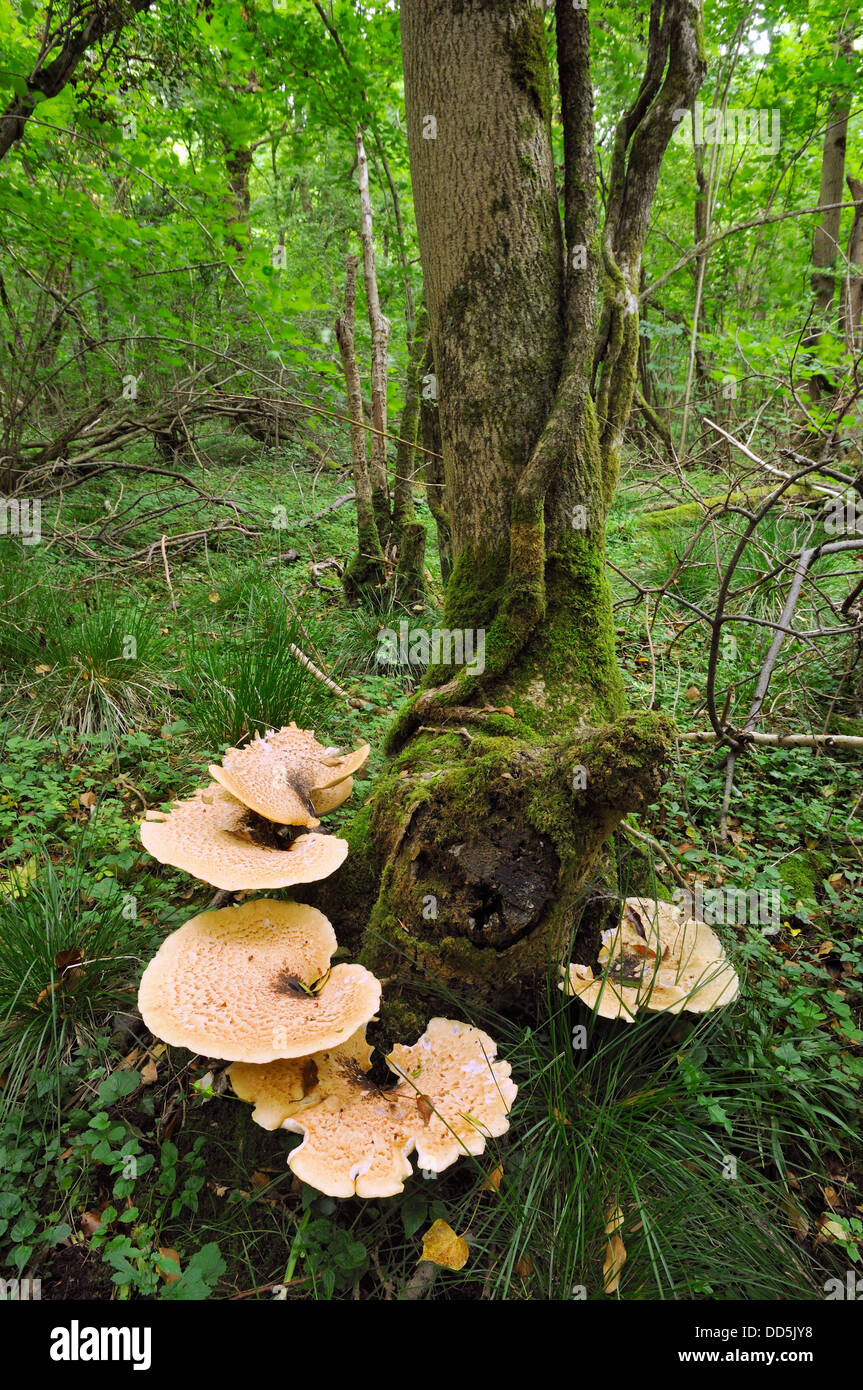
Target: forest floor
(128,1169)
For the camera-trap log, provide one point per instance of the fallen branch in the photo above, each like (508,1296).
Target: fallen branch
(743,736)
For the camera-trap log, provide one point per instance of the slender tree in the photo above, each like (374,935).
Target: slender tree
(512,766)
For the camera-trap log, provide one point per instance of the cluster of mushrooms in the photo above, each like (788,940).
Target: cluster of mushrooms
(253,984)
(655,960)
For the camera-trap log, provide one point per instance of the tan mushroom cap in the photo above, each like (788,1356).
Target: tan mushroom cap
(335,767)
(452,1097)
(228,984)
(275,775)
(265,783)
(329,798)
(279,1089)
(657,961)
(207,835)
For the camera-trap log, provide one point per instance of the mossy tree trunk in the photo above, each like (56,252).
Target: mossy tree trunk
(510,771)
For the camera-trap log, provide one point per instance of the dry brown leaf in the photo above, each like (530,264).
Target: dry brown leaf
(829,1229)
(441,1246)
(615,1258)
(167,1252)
(492,1182)
(91,1222)
(149,1073)
(797,1218)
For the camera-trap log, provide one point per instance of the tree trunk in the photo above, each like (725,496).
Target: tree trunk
(825,248)
(513,765)
(380,330)
(367,569)
(432,459)
(408,533)
(852,315)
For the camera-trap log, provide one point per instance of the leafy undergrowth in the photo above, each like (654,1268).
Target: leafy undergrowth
(719,1155)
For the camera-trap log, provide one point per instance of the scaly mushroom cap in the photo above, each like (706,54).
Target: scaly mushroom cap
(451,1098)
(655,961)
(252,983)
(276,775)
(327,800)
(335,766)
(208,835)
(279,1089)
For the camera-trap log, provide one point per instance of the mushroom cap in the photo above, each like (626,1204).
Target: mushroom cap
(279,1089)
(275,775)
(228,984)
(264,783)
(336,767)
(451,1097)
(207,835)
(328,799)
(657,961)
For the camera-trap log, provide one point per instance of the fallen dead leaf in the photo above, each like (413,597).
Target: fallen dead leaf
(615,1258)
(91,1222)
(492,1182)
(149,1073)
(797,1218)
(441,1246)
(830,1229)
(167,1252)
(615,1255)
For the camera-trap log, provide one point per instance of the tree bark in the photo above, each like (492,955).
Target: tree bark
(380,330)
(852,316)
(408,533)
(367,569)
(825,249)
(508,774)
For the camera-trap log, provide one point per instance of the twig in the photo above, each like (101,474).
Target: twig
(742,736)
(655,845)
(339,502)
(168,572)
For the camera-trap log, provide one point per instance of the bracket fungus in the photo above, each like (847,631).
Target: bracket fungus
(279,1089)
(329,798)
(657,960)
(214,836)
(253,983)
(279,775)
(450,1097)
